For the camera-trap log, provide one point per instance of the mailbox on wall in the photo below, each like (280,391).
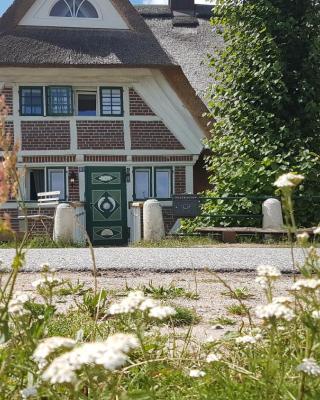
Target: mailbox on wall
(186,205)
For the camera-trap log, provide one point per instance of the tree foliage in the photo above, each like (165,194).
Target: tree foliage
(265,101)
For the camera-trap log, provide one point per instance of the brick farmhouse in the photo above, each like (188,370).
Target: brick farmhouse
(106,102)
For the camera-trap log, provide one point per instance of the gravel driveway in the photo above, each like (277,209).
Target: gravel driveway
(222,259)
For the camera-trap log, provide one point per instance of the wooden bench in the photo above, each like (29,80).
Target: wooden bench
(229,234)
(45,199)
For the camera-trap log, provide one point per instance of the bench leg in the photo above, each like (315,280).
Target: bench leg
(229,237)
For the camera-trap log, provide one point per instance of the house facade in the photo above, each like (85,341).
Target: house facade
(101,110)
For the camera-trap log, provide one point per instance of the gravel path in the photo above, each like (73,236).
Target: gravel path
(222,259)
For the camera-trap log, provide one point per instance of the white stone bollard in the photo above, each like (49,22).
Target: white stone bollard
(272,214)
(64,223)
(153,226)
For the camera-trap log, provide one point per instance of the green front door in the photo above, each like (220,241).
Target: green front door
(106,205)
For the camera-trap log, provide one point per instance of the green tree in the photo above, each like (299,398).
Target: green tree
(265,101)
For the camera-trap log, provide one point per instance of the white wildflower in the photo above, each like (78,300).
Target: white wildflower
(162,312)
(111,354)
(317,231)
(274,310)
(309,367)
(213,357)
(289,180)
(262,281)
(268,271)
(196,373)
(248,339)
(48,346)
(16,305)
(28,392)
(306,284)
(147,304)
(303,237)
(48,280)
(129,304)
(316,314)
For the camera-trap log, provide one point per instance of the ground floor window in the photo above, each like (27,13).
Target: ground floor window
(153,182)
(47,180)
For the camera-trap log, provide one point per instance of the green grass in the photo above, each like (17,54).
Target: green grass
(239,294)
(166,292)
(185,316)
(238,309)
(43,242)
(179,241)
(222,320)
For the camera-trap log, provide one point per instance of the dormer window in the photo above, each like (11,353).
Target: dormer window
(74,9)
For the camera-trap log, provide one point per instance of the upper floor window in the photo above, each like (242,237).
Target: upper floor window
(31,100)
(111,100)
(59,100)
(74,8)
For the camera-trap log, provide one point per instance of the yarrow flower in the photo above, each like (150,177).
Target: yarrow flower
(16,305)
(48,280)
(268,271)
(282,300)
(306,284)
(303,237)
(213,357)
(274,310)
(162,312)
(28,392)
(248,339)
(111,354)
(136,301)
(309,366)
(196,373)
(288,180)
(315,314)
(48,346)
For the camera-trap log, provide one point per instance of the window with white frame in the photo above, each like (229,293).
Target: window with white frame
(153,182)
(51,179)
(163,183)
(142,183)
(86,103)
(111,101)
(74,9)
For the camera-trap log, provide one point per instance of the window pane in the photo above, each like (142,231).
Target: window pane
(163,183)
(31,101)
(87,104)
(60,100)
(142,184)
(36,183)
(74,8)
(56,181)
(111,101)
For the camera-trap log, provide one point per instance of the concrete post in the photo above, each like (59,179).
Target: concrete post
(136,209)
(153,225)
(64,221)
(272,214)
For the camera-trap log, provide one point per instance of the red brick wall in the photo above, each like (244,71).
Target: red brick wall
(152,135)
(138,105)
(74,194)
(161,158)
(45,135)
(168,218)
(102,135)
(98,158)
(180,180)
(39,228)
(49,159)
(7,93)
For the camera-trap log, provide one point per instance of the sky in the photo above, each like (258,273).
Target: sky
(4,4)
